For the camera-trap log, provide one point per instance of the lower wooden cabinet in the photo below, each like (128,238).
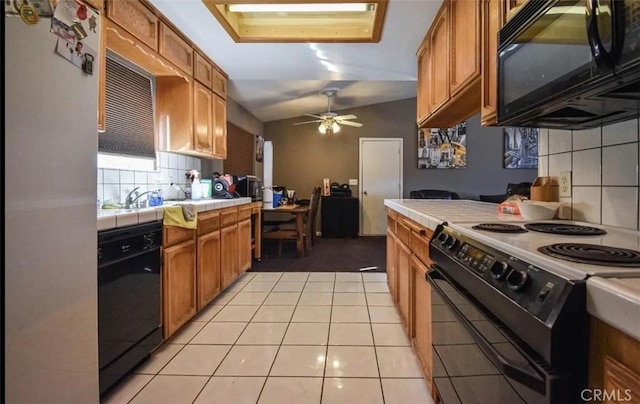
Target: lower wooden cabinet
(244,245)
(404,282)
(421,340)
(228,255)
(208,267)
(178,285)
(391,264)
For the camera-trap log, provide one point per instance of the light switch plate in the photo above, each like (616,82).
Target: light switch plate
(565,184)
(353,181)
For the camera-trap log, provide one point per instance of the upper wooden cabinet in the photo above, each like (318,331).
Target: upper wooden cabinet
(175,49)
(219,127)
(493,17)
(219,84)
(449,66)
(97,4)
(136,18)
(174,113)
(202,70)
(202,118)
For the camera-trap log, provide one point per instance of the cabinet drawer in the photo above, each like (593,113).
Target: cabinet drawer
(219,84)
(202,70)
(208,222)
(175,49)
(172,235)
(420,245)
(136,18)
(403,232)
(391,224)
(228,217)
(244,213)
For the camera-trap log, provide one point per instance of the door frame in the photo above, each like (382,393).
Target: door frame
(360,187)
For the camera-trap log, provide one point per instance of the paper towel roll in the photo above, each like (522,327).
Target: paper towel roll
(267,195)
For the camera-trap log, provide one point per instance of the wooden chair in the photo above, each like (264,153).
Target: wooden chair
(314,213)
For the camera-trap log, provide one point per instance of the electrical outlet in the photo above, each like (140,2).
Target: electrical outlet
(353,181)
(565,184)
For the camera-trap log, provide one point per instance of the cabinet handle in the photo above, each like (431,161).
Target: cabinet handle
(423,232)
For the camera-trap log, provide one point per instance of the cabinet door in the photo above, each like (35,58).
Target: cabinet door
(219,85)
(424,69)
(174,110)
(208,267)
(391,264)
(219,127)
(244,245)
(202,70)
(175,49)
(136,18)
(228,255)
(422,319)
(492,20)
(404,281)
(465,43)
(179,286)
(202,118)
(441,54)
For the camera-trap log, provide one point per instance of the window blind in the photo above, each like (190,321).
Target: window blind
(129,113)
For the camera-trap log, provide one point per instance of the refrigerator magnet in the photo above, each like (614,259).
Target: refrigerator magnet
(29,14)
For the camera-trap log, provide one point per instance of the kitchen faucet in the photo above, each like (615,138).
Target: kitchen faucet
(130,200)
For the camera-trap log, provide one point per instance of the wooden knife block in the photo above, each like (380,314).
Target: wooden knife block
(545,189)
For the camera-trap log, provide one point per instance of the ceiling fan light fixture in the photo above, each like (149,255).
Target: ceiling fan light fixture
(322,128)
(335,127)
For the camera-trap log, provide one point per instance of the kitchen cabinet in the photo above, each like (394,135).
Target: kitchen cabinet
(244,239)
(178,278)
(511,7)
(449,66)
(492,21)
(403,274)
(96,4)
(219,127)
(391,264)
(208,257)
(421,338)
(136,18)
(175,49)
(202,70)
(613,363)
(229,241)
(202,118)
(219,85)
(174,111)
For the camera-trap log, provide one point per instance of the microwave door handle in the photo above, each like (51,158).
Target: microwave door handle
(602,56)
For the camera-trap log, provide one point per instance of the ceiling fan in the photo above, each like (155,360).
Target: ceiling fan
(330,121)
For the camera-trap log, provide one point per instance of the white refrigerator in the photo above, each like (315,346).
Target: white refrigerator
(51,333)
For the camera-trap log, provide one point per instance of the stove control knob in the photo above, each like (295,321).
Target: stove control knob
(451,243)
(499,270)
(443,238)
(517,279)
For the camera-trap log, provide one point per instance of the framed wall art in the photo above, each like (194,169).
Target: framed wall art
(259,149)
(443,147)
(521,147)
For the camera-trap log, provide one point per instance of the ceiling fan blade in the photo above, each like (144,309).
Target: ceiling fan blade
(350,116)
(314,116)
(302,123)
(349,123)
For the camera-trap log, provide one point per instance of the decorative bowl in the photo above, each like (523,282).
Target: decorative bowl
(537,210)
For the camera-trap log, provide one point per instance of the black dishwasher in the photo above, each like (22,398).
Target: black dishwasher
(129,299)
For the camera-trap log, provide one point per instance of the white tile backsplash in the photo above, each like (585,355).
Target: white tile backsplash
(127,177)
(605,171)
(111,176)
(620,164)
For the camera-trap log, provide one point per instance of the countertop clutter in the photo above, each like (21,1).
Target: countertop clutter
(114,218)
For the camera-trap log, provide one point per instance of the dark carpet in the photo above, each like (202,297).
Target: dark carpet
(327,255)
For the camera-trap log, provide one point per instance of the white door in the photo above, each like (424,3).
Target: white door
(380,179)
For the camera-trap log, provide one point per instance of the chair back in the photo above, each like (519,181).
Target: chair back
(433,194)
(310,225)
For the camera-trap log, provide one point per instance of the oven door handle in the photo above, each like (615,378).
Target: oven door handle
(518,371)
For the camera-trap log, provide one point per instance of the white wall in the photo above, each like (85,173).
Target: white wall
(604,163)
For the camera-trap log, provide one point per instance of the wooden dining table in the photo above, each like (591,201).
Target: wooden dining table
(299,212)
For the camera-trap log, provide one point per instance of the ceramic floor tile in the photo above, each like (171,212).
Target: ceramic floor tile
(318,287)
(196,360)
(306,334)
(209,312)
(273,314)
(236,313)
(390,335)
(236,287)
(351,361)
(267,276)
(321,277)
(384,315)
(316,299)
(348,277)
(374,276)
(246,277)
(403,391)
(349,287)
(263,334)
(159,358)
(170,390)
(186,333)
(299,390)
(379,299)
(282,298)
(350,314)
(248,299)
(376,287)
(349,299)
(224,298)
(299,361)
(311,314)
(219,333)
(350,334)
(127,389)
(294,277)
(398,362)
(248,360)
(254,286)
(352,391)
(288,286)
(231,390)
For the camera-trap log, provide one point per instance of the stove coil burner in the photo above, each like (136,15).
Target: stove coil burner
(593,254)
(565,229)
(499,228)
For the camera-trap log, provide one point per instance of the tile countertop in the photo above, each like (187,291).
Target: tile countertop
(431,212)
(113,218)
(616,301)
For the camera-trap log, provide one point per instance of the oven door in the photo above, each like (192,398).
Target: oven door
(478,360)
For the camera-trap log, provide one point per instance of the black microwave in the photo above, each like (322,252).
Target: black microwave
(571,64)
(249,186)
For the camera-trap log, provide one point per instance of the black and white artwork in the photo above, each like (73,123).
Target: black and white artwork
(521,147)
(443,147)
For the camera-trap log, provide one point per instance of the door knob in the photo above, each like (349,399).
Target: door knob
(365,192)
